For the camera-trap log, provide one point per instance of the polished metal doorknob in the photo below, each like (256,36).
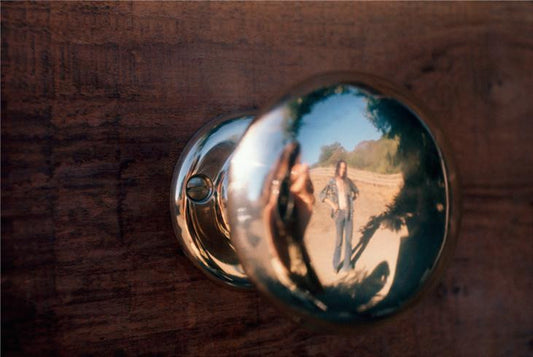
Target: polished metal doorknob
(338,201)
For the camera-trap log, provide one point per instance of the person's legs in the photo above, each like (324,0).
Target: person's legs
(348,228)
(339,225)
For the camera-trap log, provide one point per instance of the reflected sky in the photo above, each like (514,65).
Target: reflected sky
(321,126)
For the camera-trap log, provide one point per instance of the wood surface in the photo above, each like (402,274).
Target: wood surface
(99,99)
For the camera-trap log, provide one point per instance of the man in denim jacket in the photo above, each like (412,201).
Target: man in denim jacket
(340,193)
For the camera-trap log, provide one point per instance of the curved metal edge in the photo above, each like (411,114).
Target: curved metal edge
(183,211)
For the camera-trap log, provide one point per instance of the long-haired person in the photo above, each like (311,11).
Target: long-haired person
(340,193)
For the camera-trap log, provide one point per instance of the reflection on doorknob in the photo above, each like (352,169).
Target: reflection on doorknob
(337,201)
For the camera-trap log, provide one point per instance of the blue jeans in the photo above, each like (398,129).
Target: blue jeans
(344,225)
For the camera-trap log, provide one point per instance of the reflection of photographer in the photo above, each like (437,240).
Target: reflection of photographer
(287,213)
(340,193)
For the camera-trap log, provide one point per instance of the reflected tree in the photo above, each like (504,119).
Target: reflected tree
(330,154)
(371,155)
(421,202)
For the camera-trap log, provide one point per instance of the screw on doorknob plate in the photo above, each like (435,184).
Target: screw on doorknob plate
(199,188)
(198,200)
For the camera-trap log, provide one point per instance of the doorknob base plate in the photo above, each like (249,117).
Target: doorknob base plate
(199,197)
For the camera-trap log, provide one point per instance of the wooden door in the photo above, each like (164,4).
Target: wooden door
(99,99)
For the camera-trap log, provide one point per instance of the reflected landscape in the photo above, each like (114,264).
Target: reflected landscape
(347,202)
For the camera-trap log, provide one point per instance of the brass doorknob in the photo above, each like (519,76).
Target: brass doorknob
(338,201)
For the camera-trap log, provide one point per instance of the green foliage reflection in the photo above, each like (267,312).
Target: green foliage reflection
(372,155)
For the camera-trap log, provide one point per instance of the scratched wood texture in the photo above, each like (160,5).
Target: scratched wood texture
(99,99)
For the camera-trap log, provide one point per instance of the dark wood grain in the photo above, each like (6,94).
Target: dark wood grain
(99,99)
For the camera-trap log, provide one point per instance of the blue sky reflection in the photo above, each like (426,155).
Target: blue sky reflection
(340,118)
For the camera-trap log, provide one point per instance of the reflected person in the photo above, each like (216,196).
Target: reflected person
(340,193)
(288,209)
